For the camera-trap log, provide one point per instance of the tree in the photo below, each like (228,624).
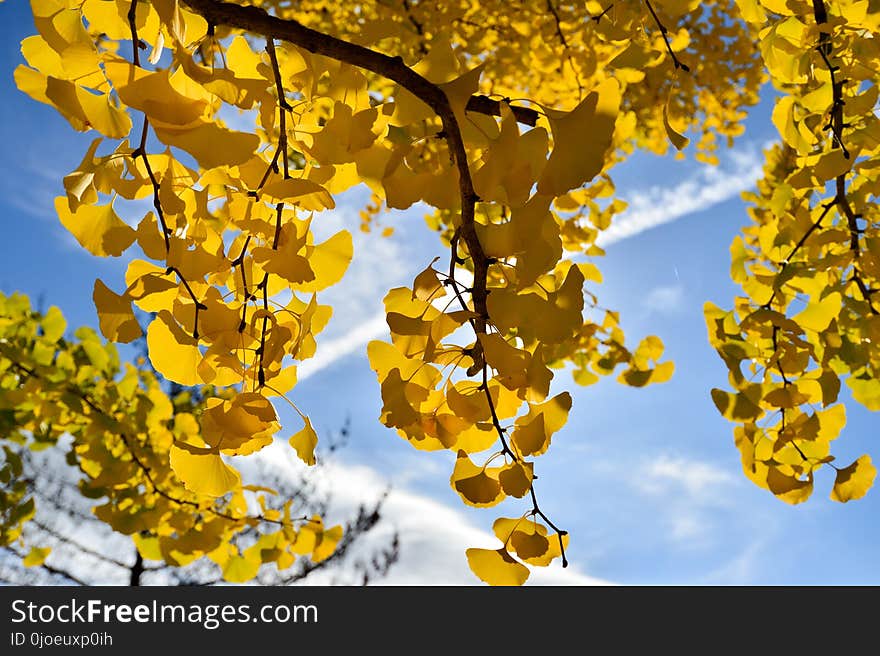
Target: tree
(84,550)
(47,493)
(507,119)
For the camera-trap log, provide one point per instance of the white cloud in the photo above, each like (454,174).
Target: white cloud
(670,475)
(687,494)
(665,299)
(743,568)
(656,206)
(335,349)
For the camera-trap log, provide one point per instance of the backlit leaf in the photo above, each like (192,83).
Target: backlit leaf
(496,567)
(97,228)
(853,482)
(205,473)
(580,139)
(304,442)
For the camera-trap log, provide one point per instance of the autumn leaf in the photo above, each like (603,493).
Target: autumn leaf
(496,567)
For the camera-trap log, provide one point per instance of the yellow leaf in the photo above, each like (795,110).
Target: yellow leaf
(751,11)
(736,407)
(790,489)
(509,361)
(853,482)
(344,134)
(53,324)
(581,138)
(329,540)
(173,353)
(81,107)
(427,284)
(115,317)
(304,442)
(678,140)
(97,228)
(529,545)
(516,478)
(530,438)
(212,145)
(239,426)
(36,556)
(149,286)
(329,260)
(496,567)
(289,259)
(147,546)
(865,390)
(477,486)
(818,314)
(534,430)
(241,568)
(153,94)
(204,473)
(299,191)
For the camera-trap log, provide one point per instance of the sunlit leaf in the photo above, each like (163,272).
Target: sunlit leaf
(853,482)
(496,567)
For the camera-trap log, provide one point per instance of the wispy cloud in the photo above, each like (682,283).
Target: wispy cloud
(744,568)
(664,299)
(688,493)
(656,206)
(336,349)
(675,475)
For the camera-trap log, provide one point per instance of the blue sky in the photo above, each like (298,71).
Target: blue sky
(647,481)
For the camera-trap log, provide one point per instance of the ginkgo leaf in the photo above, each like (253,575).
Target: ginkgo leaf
(211,144)
(736,407)
(304,442)
(790,489)
(241,568)
(865,390)
(817,315)
(288,259)
(153,94)
(678,140)
(516,478)
(204,473)
(427,285)
(533,431)
(239,426)
(115,316)
(299,191)
(496,567)
(36,556)
(751,11)
(82,108)
(147,546)
(97,228)
(53,324)
(477,486)
(530,438)
(853,482)
(173,353)
(529,545)
(580,139)
(329,261)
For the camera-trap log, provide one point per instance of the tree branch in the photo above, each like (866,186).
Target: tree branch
(259,22)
